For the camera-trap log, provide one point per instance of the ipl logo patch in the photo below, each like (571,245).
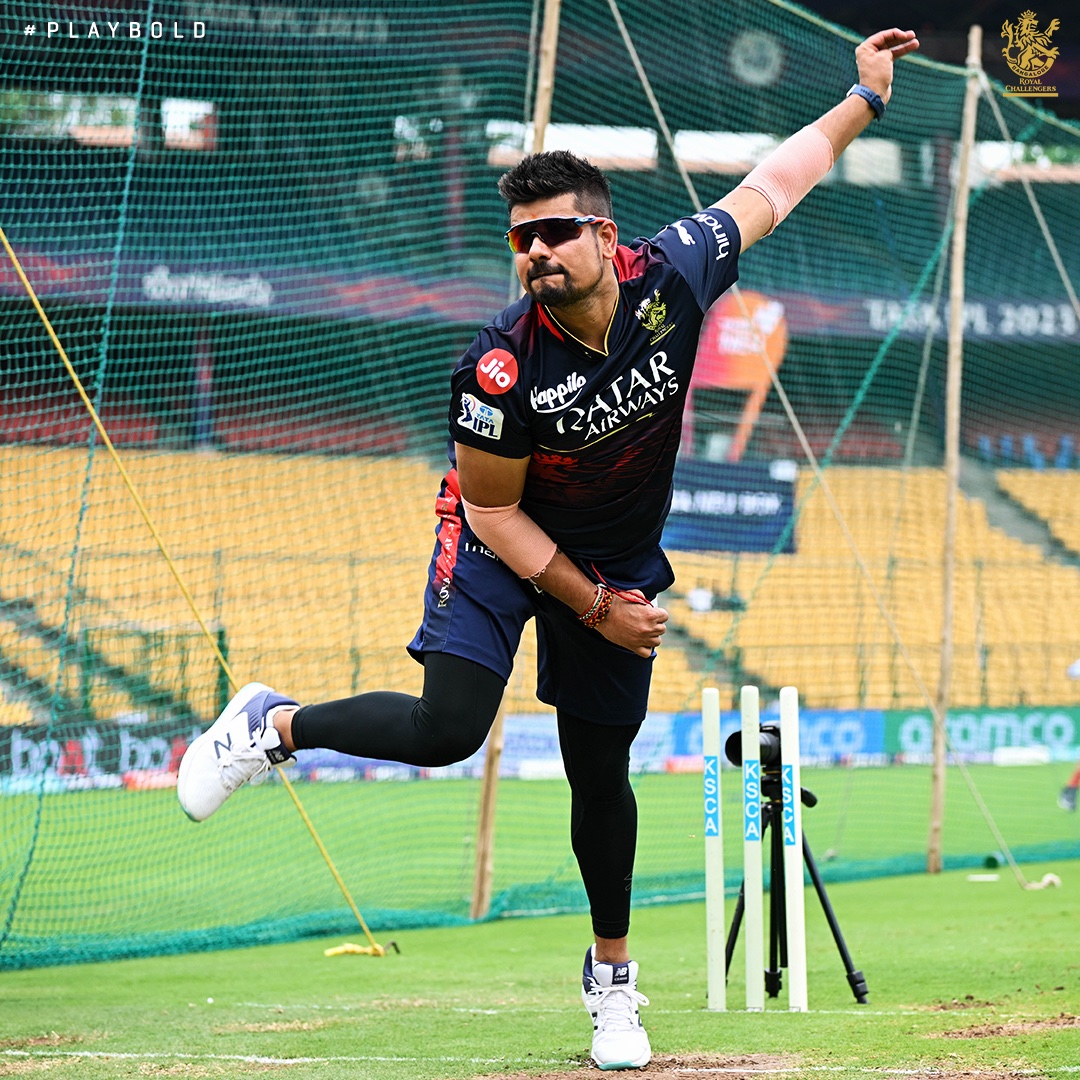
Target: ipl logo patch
(480,417)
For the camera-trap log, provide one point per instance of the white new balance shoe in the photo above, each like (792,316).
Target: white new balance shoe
(611,997)
(239,747)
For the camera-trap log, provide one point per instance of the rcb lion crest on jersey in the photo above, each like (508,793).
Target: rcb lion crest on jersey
(652,313)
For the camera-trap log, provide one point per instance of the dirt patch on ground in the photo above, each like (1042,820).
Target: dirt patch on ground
(35,1042)
(198,1072)
(1011,1027)
(745,1067)
(967,1002)
(286,1025)
(683,1067)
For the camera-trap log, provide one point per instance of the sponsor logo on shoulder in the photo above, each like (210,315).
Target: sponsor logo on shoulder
(684,234)
(716,227)
(553,398)
(497,371)
(652,312)
(481,418)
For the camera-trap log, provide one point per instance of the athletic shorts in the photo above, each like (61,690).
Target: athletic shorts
(476,607)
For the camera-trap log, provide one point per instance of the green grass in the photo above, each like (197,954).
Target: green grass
(118,873)
(941,954)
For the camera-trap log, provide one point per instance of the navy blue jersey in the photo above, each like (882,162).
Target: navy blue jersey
(602,431)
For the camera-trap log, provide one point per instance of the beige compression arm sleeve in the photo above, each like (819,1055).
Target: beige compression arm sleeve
(513,536)
(787,175)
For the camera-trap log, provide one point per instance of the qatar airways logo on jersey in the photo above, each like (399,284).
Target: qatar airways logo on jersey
(639,391)
(555,398)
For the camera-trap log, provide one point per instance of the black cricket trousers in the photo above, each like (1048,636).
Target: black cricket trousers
(451,720)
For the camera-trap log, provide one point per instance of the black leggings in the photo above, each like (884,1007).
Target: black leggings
(450,722)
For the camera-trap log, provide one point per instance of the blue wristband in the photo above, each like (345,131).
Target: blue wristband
(870,98)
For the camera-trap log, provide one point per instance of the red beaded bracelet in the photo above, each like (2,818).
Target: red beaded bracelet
(601,605)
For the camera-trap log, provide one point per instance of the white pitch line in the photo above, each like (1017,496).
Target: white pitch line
(260,1059)
(380,1006)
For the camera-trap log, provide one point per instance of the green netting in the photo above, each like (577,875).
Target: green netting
(264,234)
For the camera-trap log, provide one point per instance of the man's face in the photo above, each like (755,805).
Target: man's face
(564,274)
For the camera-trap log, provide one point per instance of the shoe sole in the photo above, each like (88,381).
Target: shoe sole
(237,705)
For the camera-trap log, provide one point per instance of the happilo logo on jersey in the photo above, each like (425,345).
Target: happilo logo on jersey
(552,399)
(629,397)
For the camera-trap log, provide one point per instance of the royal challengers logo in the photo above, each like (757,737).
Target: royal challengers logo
(1029,54)
(652,312)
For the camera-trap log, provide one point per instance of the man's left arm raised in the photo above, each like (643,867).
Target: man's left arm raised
(779,183)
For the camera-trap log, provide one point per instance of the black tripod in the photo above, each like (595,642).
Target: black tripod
(772,809)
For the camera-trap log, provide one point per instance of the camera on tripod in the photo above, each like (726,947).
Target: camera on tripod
(768,743)
(769,755)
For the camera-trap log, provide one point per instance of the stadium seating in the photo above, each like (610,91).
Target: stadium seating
(312,579)
(1052,495)
(318,594)
(312,574)
(62,419)
(811,619)
(15,712)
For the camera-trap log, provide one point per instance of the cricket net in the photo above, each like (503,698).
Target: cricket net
(262,236)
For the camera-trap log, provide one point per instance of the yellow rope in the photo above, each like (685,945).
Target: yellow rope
(375,948)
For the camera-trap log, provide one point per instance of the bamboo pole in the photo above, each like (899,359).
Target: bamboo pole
(485,826)
(545,83)
(952,444)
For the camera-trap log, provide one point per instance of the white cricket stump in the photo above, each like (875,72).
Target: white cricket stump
(794,891)
(753,886)
(714,852)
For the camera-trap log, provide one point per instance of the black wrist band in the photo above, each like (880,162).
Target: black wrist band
(870,98)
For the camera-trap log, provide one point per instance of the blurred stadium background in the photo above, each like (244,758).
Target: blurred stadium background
(264,233)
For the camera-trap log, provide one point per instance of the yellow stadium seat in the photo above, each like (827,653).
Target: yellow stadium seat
(813,616)
(321,596)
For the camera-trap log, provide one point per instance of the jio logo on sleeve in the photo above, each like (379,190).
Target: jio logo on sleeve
(497,371)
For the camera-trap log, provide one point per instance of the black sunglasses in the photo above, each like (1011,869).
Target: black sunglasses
(551,230)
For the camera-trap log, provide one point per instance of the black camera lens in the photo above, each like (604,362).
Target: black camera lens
(769,744)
